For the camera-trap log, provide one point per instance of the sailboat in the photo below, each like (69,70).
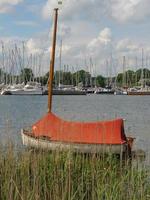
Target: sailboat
(53,133)
(123,89)
(143,89)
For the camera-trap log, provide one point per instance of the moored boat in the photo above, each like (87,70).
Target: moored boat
(31,88)
(54,133)
(120,92)
(60,91)
(104,91)
(141,91)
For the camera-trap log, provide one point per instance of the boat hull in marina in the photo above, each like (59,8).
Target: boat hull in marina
(120,92)
(31,88)
(140,93)
(104,92)
(66,92)
(22,92)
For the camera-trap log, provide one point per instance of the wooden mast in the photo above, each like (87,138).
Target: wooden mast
(52,63)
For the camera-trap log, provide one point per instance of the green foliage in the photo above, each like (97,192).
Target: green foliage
(68,78)
(127,79)
(131,78)
(82,77)
(26,75)
(100,81)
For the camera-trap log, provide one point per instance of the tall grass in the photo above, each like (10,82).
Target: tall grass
(38,175)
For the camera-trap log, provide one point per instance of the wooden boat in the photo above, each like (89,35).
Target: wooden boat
(53,133)
(93,137)
(138,93)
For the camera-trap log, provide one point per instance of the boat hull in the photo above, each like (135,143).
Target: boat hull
(120,93)
(22,92)
(30,141)
(105,92)
(140,93)
(65,92)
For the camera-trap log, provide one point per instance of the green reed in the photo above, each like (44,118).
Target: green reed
(40,175)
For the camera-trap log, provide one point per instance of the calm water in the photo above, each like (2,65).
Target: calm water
(17,112)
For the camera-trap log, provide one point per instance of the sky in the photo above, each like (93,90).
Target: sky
(99,30)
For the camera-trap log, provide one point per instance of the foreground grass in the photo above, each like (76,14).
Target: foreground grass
(63,176)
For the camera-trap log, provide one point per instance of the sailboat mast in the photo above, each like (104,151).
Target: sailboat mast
(142,71)
(124,73)
(60,59)
(52,63)
(3,65)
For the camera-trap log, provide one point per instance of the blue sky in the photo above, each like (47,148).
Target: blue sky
(30,11)
(93,28)
(13,23)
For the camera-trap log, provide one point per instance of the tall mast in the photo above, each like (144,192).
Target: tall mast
(72,82)
(124,72)
(23,65)
(52,63)
(91,68)
(86,74)
(142,72)
(60,59)
(136,65)
(107,67)
(3,64)
(111,68)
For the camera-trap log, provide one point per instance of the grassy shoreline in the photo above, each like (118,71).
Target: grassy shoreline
(40,175)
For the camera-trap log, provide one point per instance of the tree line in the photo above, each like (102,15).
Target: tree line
(81,77)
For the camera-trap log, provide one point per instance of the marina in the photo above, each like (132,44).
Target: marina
(19,75)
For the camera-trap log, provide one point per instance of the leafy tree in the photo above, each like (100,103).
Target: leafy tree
(100,81)
(126,79)
(26,75)
(82,76)
(130,78)
(67,78)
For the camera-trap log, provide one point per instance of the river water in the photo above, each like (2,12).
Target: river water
(17,112)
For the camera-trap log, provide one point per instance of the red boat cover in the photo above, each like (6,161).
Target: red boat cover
(56,129)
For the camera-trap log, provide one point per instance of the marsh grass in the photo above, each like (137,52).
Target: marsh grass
(40,175)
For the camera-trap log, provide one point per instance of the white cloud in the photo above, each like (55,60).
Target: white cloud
(74,9)
(100,47)
(82,21)
(120,10)
(127,45)
(7,5)
(32,46)
(103,38)
(129,10)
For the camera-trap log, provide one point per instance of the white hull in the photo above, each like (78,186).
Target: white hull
(120,93)
(27,92)
(22,92)
(75,147)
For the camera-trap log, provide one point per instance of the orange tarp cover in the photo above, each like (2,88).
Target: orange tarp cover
(56,129)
